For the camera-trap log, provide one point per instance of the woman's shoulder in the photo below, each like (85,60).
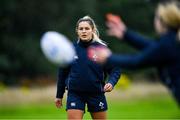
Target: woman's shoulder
(95,43)
(75,42)
(168,38)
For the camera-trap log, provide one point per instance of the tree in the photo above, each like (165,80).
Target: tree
(23,22)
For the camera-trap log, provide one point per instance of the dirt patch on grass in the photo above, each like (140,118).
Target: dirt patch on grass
(138,91)
(25,95)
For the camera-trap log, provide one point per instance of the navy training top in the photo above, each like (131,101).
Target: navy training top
(84,75)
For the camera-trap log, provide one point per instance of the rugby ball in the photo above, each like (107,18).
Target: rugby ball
(57,48)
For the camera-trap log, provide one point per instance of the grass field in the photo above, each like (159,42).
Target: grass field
(139,106)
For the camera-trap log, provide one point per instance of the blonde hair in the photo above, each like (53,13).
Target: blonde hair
(94,27)
(169,13)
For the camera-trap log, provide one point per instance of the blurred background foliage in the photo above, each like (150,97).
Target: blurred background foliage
(22,23)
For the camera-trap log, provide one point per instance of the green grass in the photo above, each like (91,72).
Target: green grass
(154,107)
(157,108)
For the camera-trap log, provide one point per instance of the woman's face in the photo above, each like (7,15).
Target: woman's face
(85,31)
(159,26)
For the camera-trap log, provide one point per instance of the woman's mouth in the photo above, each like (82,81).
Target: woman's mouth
(84,36)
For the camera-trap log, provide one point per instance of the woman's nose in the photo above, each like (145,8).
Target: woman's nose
(84,30)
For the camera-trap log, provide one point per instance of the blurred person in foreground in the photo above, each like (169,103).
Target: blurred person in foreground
(85,79)
(163,54)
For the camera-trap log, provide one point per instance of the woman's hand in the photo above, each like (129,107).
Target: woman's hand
(58,102)
(108,87)
(116,26)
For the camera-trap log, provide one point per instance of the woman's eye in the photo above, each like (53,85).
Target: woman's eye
(87,28)
(80,28)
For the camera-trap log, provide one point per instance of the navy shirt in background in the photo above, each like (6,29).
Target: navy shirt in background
(163,54)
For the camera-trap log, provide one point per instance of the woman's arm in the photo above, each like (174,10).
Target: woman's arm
(114,75)
(61,82)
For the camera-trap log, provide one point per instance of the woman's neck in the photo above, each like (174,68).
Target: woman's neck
(85,43)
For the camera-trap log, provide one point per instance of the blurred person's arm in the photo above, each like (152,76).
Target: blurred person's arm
(118,29)
(136,40)
(152,56)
